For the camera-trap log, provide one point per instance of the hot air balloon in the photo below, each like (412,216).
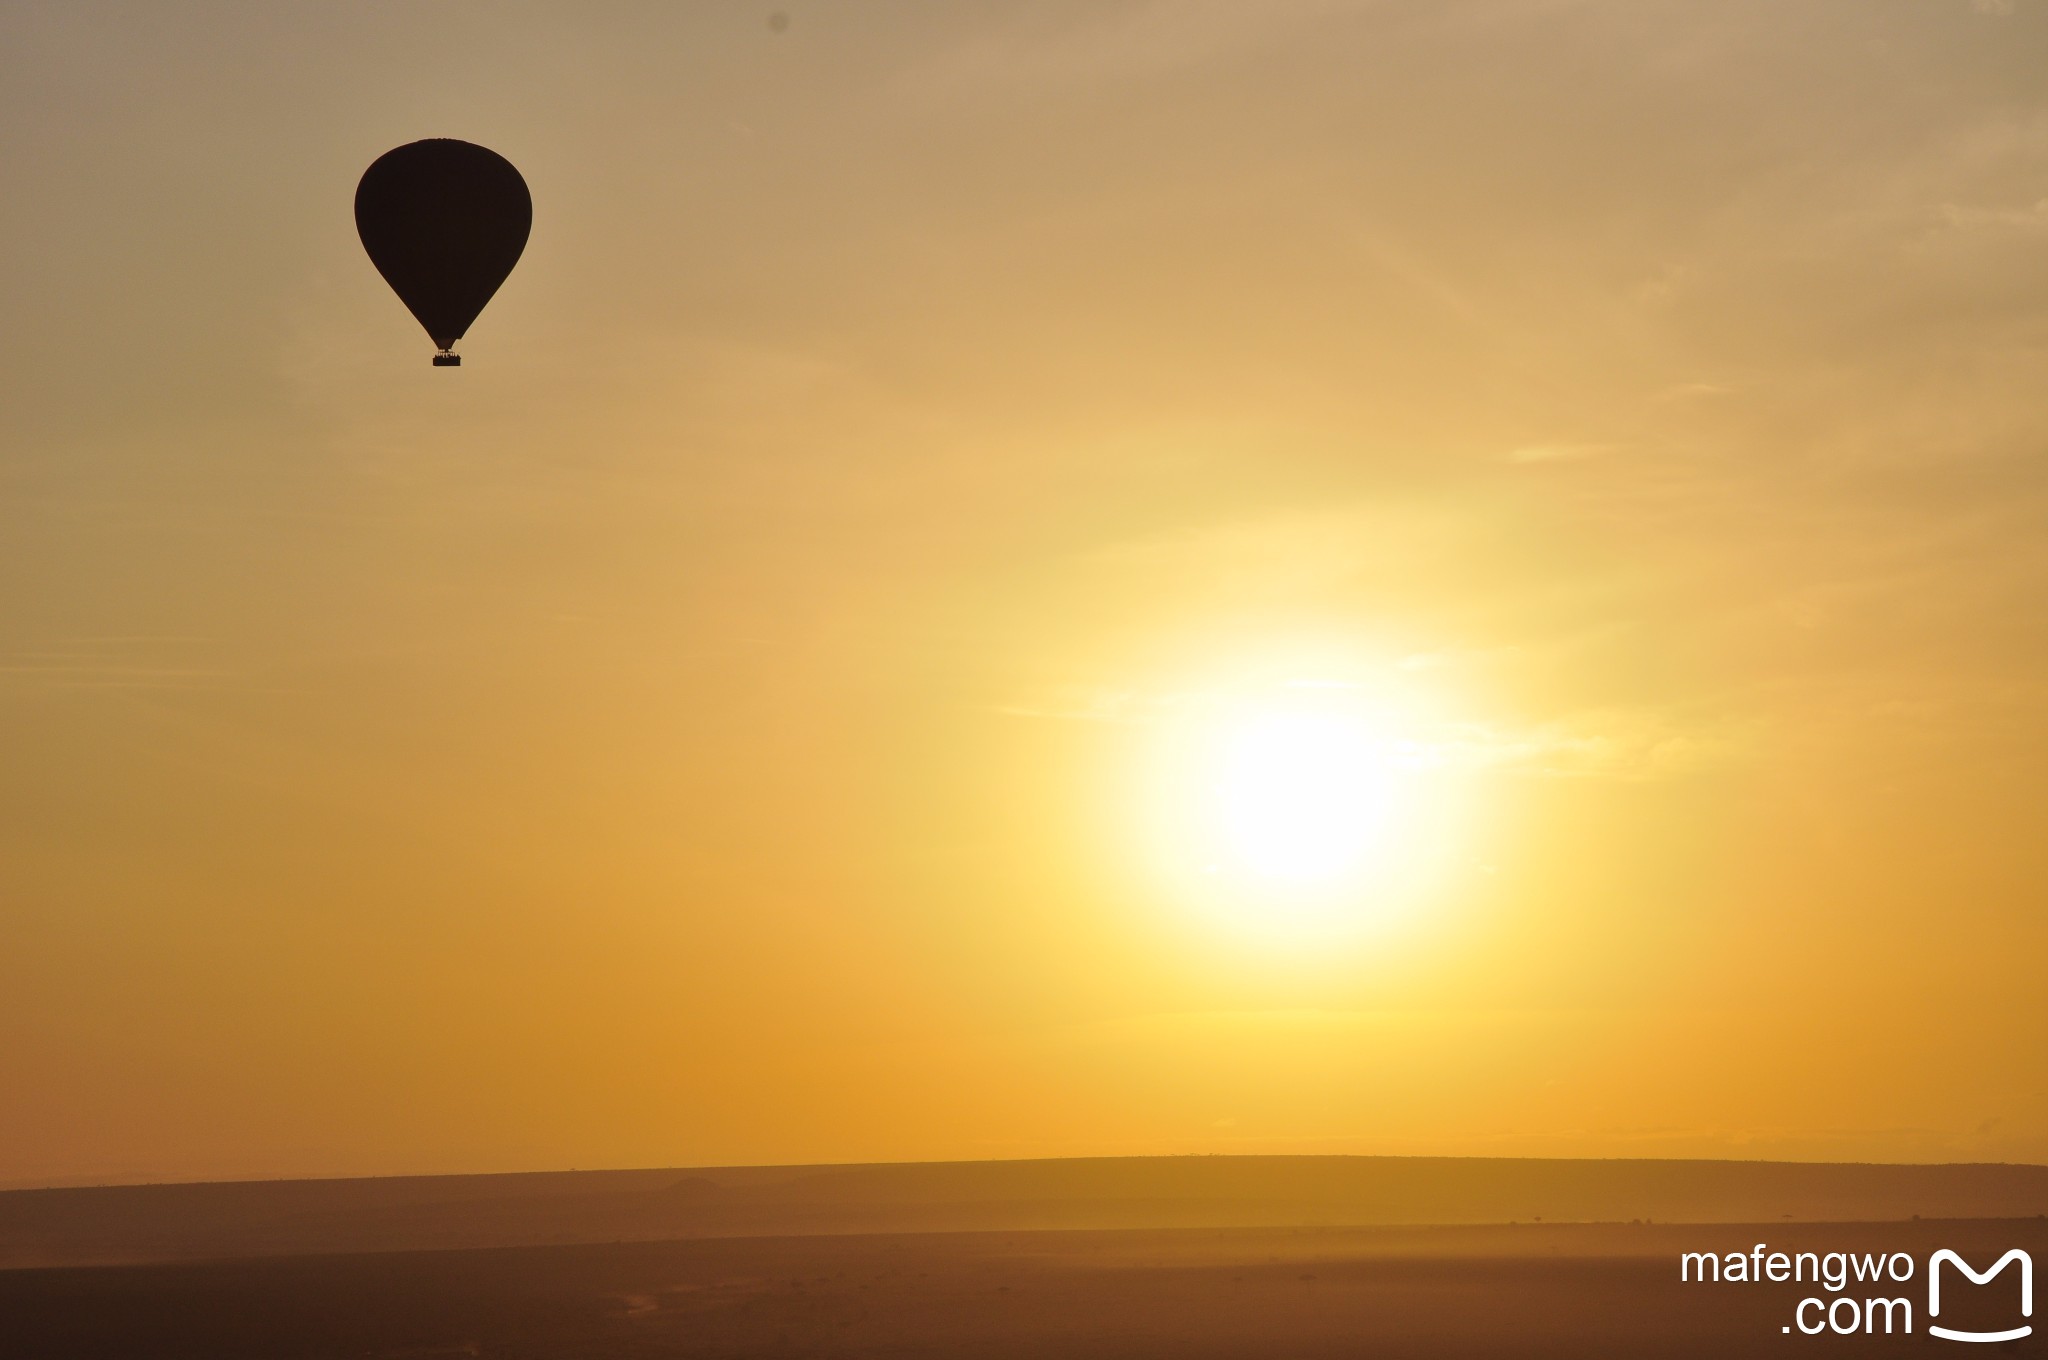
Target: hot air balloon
(444,222)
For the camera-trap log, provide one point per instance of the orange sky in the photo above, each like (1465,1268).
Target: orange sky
(733,718)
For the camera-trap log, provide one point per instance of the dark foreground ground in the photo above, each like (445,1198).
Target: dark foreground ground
(1551,1290)
(144,1224)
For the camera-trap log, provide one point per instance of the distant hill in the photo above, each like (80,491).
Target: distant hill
(91,1225)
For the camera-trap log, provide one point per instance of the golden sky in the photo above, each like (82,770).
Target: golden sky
(765,705)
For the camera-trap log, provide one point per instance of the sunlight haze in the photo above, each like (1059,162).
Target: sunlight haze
(1027,580)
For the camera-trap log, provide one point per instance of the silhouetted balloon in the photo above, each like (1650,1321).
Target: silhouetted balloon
(444,222)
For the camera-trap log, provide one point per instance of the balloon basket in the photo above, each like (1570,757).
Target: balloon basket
(447,361)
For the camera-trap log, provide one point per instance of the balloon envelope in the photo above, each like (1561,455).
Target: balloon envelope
(444,222)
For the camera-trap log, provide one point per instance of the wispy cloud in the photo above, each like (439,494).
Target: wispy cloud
(108,663)
(1625,744)
(1558,453)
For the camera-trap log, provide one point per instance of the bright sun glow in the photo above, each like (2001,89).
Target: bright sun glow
(1304,797)
(1300,811)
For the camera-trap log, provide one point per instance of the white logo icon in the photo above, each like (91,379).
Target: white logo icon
(1934,1293)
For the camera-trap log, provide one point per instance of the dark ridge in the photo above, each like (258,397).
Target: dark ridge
(276,1218)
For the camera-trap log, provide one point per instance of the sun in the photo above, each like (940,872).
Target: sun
(1302,797)
(1300,810)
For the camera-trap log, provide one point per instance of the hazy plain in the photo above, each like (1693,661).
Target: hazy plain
(786,1261)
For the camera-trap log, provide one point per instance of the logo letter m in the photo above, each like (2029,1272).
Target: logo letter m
(1934,1293)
